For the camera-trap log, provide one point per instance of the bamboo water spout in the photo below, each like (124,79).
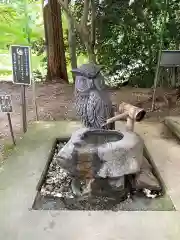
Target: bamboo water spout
(129,113)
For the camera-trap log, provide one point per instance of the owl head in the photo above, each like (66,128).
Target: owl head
(88,77)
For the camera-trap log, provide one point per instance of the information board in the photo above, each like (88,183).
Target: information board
(5,103)
(170,58)
(21,64)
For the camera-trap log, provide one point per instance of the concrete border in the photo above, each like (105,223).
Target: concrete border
(19,178)
(158,202)
(173,123)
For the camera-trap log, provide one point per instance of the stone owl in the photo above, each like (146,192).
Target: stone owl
(92,101)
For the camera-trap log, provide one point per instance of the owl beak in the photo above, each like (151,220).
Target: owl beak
(76,71)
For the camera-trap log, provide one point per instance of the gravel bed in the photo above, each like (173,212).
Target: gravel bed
(58,181)
(57,185)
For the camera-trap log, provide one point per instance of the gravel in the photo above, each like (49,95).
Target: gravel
(58,181)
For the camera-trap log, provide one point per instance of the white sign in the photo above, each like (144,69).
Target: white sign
(5,103)
(45,3)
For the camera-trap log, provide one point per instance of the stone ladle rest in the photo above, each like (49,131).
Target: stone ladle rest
(129,113)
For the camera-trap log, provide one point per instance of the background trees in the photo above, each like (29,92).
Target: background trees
(129,40)
(123,38)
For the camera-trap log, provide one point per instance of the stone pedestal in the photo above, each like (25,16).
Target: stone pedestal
(102,154)
(145,178)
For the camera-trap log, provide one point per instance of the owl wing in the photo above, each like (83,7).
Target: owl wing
(98,110)
(82,89)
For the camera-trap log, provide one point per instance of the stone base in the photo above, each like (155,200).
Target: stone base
(23,168)
(94,153)
(146,179)
(107,194)
(173,123)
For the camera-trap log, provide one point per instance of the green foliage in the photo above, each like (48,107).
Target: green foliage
(128,40)
(128,34)
(128,37)
(21,22)
(5,72)
(18,20)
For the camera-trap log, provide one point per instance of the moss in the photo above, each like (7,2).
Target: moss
(6,151)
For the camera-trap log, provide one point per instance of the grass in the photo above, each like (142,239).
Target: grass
(6,65)
(7,149)
(5,61)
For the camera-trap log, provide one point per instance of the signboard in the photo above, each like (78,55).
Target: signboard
(5,103)
(21,65)
(6,107)
(170,58)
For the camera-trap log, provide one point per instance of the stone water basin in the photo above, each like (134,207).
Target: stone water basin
(109,192)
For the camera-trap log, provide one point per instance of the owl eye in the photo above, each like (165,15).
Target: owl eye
(83,84)
(99,82)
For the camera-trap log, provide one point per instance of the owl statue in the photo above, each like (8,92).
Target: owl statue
(92,101)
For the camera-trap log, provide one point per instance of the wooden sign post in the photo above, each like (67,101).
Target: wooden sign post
(6,107)
(21,70)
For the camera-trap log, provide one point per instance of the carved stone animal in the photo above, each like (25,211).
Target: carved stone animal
(92,102)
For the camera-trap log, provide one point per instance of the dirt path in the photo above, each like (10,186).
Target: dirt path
(55,101)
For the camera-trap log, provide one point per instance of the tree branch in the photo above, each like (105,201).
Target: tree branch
(93,24)
(82,27)
(71,38)
(68,12)
(84,18)
(82,31)
(66,3)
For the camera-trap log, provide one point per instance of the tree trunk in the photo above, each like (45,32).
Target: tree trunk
(85,35)
(93,24)
(72,44)
(54,40)
(71,39)
(90,52)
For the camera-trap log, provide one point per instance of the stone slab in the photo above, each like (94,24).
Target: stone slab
(139,203)
(20,174)
(145,178)
(173,123)
(164,151)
